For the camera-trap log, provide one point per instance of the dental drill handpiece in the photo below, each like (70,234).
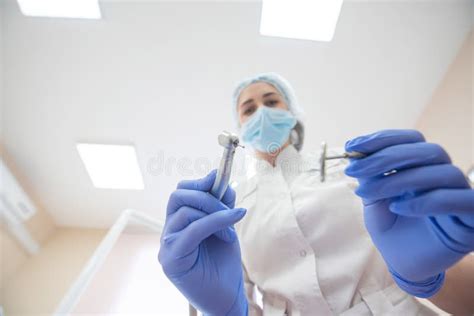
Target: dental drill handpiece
(230,142)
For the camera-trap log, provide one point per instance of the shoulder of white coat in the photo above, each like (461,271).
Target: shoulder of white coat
(243,187)
(243,177)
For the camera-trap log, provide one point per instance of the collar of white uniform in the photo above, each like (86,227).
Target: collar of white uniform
(289,162)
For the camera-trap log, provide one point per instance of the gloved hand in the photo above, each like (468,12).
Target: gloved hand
(200,252)
(421,217)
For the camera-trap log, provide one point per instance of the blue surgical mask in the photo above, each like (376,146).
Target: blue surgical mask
(268,129)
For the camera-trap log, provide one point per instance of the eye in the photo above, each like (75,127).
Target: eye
(271,103)
(249,110)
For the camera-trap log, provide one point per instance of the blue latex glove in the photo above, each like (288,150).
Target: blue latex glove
(200,252)
(420,218)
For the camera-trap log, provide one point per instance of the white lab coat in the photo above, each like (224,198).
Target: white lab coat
(305,247)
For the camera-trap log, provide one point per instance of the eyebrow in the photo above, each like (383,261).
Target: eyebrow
(264,96)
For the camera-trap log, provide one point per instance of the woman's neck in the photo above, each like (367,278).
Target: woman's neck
(271,157)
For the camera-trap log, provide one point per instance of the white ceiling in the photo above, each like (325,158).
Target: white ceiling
(160,75)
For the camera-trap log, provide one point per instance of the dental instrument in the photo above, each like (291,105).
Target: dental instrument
(323,157)
(230,142)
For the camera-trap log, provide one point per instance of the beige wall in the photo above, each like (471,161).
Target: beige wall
(1,68)
(12,256)
(35,284)
(448,119)
(41,282)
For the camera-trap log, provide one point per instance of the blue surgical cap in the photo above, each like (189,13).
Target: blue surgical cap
(286,91)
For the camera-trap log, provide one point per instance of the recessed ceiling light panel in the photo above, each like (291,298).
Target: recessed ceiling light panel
(111,166)
(300,19)
(82,9)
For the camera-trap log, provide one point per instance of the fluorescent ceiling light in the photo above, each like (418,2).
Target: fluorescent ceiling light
(111,166)
(300,19)
(83,9)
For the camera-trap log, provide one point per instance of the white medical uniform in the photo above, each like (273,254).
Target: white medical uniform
(305,247)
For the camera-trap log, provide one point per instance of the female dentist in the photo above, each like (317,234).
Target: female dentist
(309,246)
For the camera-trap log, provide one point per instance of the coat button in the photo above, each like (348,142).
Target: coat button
(303,253)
